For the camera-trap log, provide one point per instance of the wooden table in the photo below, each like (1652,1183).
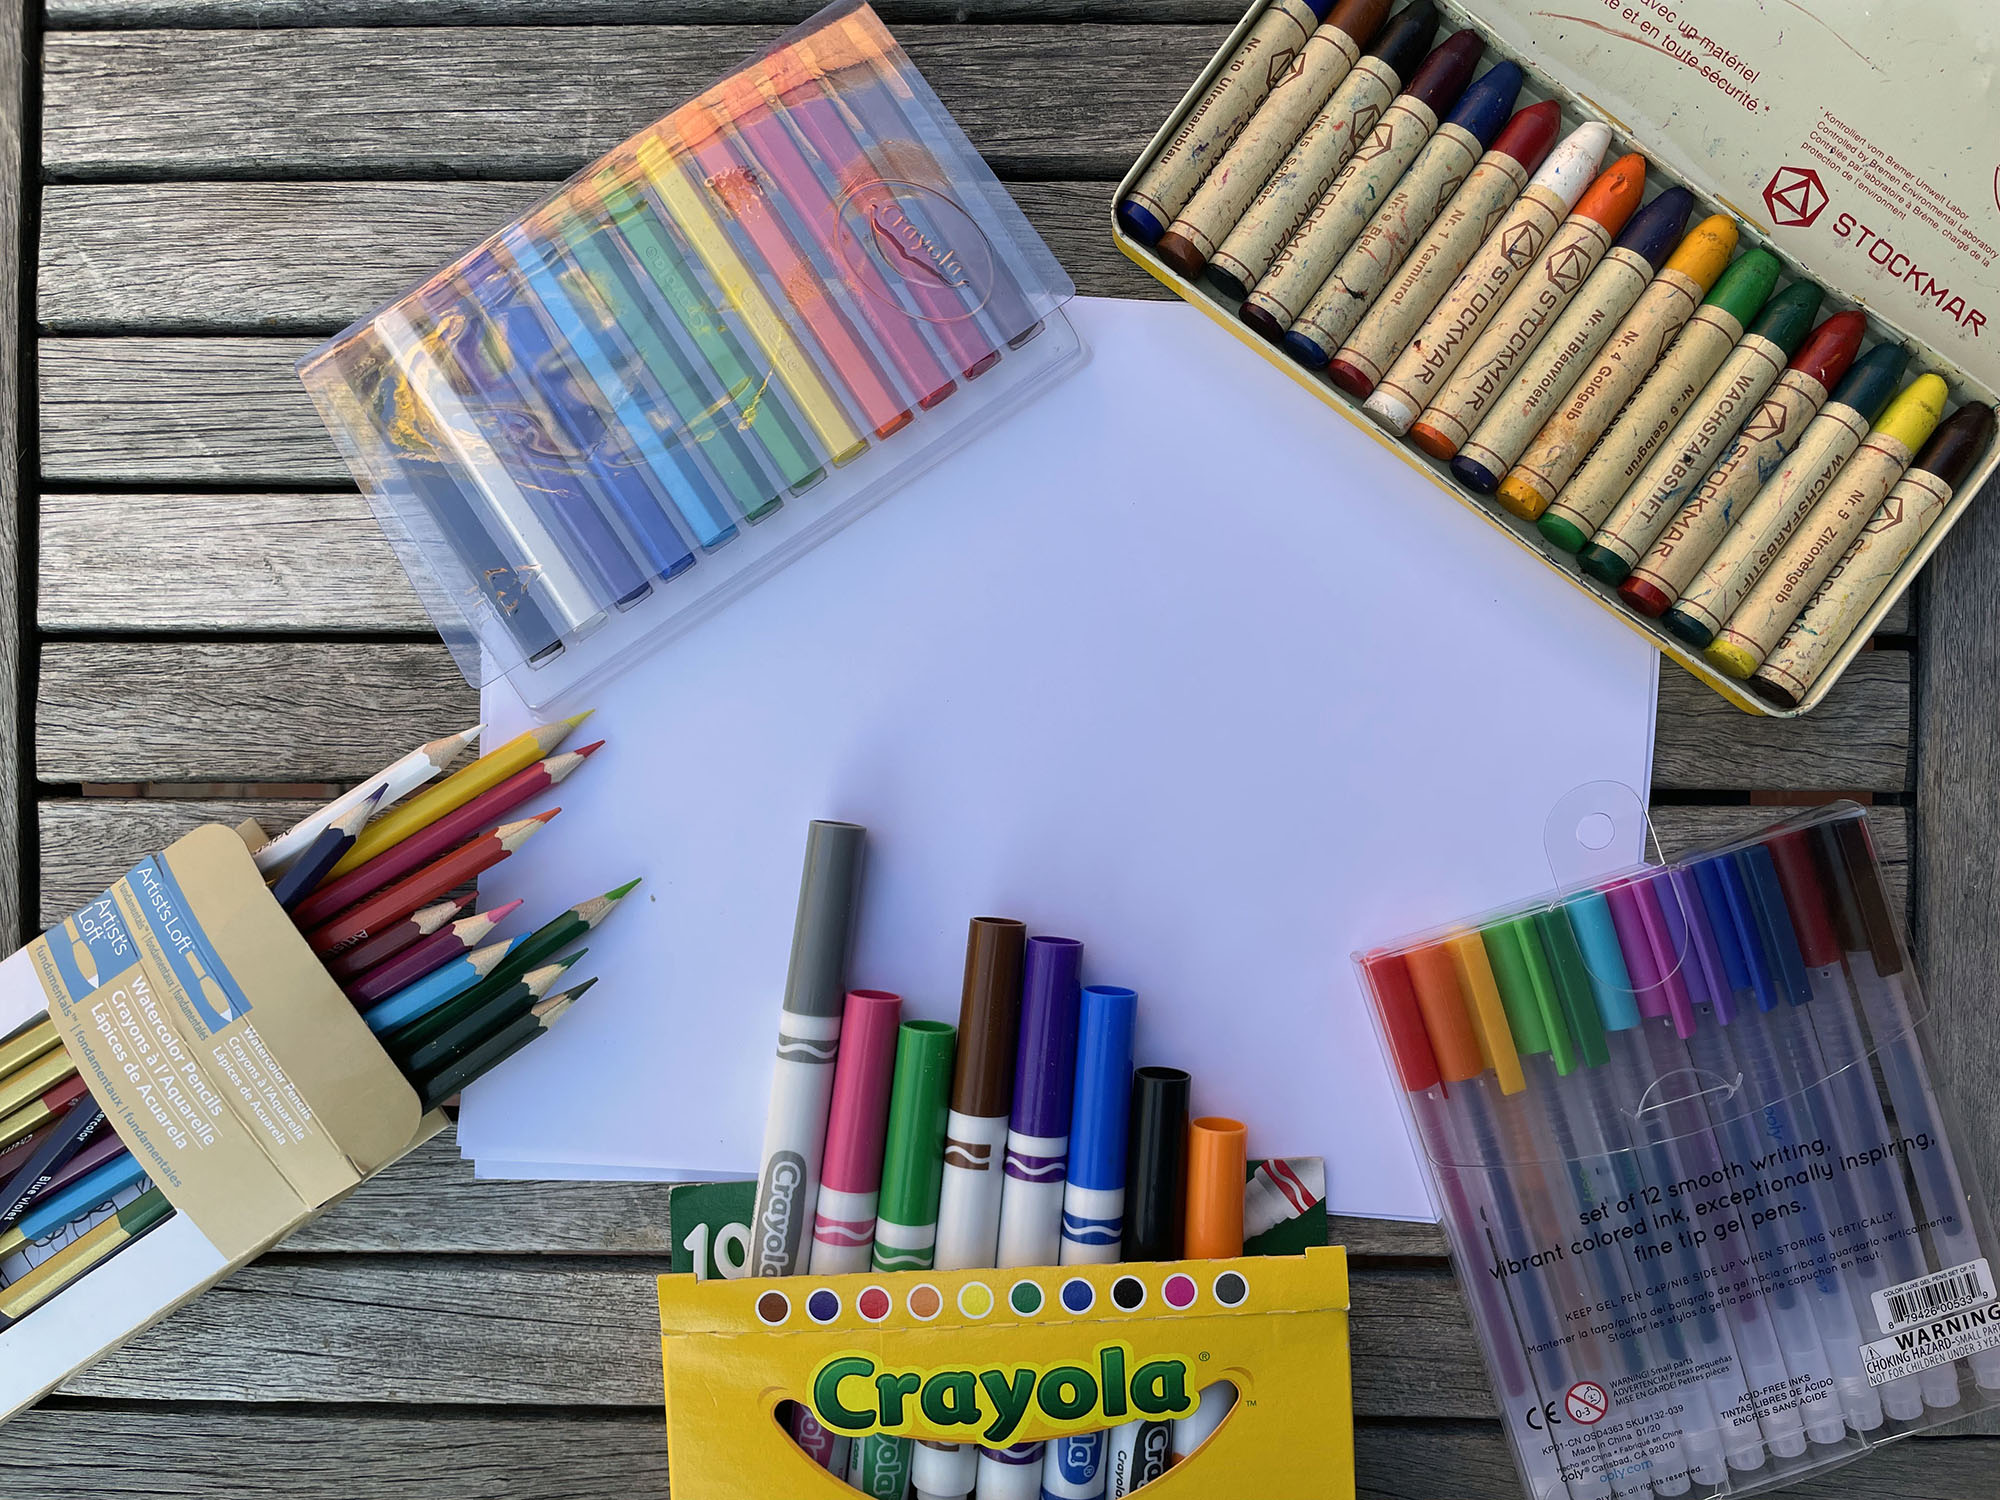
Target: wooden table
(209,625)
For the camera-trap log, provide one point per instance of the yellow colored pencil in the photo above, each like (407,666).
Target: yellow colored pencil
(424,809)
(37,1078)
(19,1298)
(33,1117)
(36,1041)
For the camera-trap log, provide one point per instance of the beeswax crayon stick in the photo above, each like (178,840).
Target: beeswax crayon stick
(1031,1198)
(1333,223)
(1422,369)
(1327,57)
(387,907)
(463,1072)
(1336,133)
(1469,216)
(36,1040)
(653,259)
(808,1047)
(398,779)
(23,1295)
(1566,262)
(906,1216)
(1408,213)
(428,954)
(433,839)
(856,1120)
(687,208)
(1732,305)
(1655,321)
(33,1115)
(1540,386)
(420,998)
(1822,536)
(310,868)
(394,939)
(1771,432)
(1864,572)
(1710,424)
(1263,58)
(1138,1452)
(1760,531)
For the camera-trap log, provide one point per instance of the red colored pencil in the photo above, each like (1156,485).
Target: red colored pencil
(464,863)
(427,843)
(393,940)
(429,953)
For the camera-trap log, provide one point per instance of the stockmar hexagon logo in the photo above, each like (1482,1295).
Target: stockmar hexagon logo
(1795,197)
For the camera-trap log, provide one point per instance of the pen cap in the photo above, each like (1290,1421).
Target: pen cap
(1454,1041)
(863,1075)
(1489,1017)
(919,1101)
(1819,944)
(1541,981)
(1402,1021)
(1706,971)
(1517,990)
(1484,107)
(1746,926)
(1774,924)
(989,1015)
(1045,1065)
(1572,987)
(1667,930)
(1603,960)
(1636,946)
(1842,907)
(1156,1177)
(816,982)
(1864,876)
(1103,1095)
(1218,1167)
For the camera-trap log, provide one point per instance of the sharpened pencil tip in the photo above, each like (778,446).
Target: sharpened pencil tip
(501,913)
(623,891)
(575,719)
(590,749)
(543,817)
(569,958)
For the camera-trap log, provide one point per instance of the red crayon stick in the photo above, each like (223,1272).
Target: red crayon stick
(394,939)
(427,843)
(426,954)
(464,863)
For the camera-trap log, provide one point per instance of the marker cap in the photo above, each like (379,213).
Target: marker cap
(1360,19)
(1872,380)
(1702,256)
(1531,134)
(1826,355)
(1819,942)
(1454,1041)
(1045,1066)
(1915,412)
(1218,1167)
(1774,924)
(816,982)
(1572,984)
(1099,1117)
(1445,73)
(1483,108)
(1603,960)
(1156,1179)
(863,1074)
(1706,972)
(919,1102)
(1406,38)
(1489,1017)
(1958,443)
(989,1014)
(1864,877)
(1614,193)
(1655,229)
(1743,289)
(1402,1021)
(1788,317)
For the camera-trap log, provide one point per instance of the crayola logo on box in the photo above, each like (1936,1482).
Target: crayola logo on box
(853,1394)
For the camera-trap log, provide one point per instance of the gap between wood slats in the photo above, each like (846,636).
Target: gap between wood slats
(263,14)
(1036,101)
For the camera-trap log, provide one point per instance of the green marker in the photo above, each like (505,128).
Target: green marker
(1572,986)
(906,1216)
(1517,989)
(1538,983)
(1683,460)
(1683,372)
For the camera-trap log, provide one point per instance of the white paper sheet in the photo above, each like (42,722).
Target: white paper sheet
(1173,662)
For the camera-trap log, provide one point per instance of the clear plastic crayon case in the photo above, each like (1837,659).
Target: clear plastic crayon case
(1715,1225)
(703,355)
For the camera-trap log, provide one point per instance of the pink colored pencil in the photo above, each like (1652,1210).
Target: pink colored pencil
(383,945)
(426,954)
(427,843)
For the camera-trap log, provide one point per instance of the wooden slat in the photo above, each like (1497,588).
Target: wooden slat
(1048,101)
(13,51)
(310,257)
(271,13)
(121,711)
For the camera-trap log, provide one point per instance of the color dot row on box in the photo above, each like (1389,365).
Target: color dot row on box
(1129,1293)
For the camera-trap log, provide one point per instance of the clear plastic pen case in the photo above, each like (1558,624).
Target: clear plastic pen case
(1714,1222)
(700,357)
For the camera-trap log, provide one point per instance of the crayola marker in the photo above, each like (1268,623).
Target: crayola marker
(1265,56)
(1322,150)
(1762,528)
(1571,254)
(1655,321)
(1333,223)
(1710,425)
(1770,432)
(1738,296)
(1422,369)
(1218,1159)
(1327,57)
(1421,194)
(1866,570)
(1094,1198)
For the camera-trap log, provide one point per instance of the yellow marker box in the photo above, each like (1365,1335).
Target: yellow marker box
(1015,1356)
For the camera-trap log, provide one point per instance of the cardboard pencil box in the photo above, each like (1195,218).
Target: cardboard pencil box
(1855,150)
(230,1064)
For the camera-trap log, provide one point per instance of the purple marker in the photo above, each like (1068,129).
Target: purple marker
(1031,1199)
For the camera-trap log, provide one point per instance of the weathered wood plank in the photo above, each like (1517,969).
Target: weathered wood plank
(1047,101)
(329,711)
(310,257)
(70,14)
(13,84)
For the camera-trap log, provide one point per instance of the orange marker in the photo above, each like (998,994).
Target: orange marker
(1218,1163)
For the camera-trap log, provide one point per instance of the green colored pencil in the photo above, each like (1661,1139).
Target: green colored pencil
(496,1049)
(405,1045)
(482,1023)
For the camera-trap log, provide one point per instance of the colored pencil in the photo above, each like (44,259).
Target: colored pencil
(495,1050)
(310,868)
(56,1148)
(101,1149)
(20,1087)
(25,1046)
(438,986)
(98,1186)
(456,868)
(400,777)
(406,1041)
(32,1117)
(364,956)
(428,954)
(22,1296)
(495,1015)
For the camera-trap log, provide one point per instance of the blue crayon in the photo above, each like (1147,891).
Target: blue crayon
(422,996)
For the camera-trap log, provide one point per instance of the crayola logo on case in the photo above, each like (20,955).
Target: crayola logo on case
(855,1394)
(913,233)
(783,1224)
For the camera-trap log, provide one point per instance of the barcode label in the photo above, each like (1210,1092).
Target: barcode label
(1935,1296)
